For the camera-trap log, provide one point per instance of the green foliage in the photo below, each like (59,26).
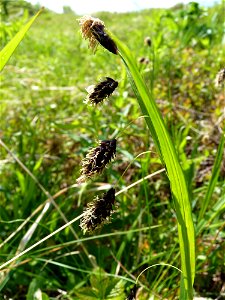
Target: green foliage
(47,126)
(102,287)
(34,291)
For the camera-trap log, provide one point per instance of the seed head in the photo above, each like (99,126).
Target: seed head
(148,41)
(98,212)
(94,30)
(102,90)
(220,77)
(132,295)
(143,60)
(97,159)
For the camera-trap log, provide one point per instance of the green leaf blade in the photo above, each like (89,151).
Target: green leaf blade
(175,173)
(9,49)
(214,176)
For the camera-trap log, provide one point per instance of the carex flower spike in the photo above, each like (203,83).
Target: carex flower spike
(148,41)
(101,91)
(93,29)
(97,159)
(98,212)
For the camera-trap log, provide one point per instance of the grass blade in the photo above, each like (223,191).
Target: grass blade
(175,173)
(8,50)
(217,209)
(214,177)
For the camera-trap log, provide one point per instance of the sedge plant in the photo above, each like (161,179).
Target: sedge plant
(94,30)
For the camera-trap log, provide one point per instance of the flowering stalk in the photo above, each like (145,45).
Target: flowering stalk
(93,29)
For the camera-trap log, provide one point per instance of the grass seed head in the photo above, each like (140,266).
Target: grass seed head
(97,159)
(148,41)
(220,77)
(98,212)
(93,29)
(97,94)
(143,60)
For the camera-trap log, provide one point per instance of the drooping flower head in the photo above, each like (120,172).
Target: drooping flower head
(93,29)
(98,212)
(101,91)
(97,159)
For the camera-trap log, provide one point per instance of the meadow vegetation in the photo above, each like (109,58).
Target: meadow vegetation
(47,129)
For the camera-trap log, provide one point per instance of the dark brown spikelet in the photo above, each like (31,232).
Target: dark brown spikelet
(148,41)
(132,295)
(98,212)
(143,60)
(101,91)
(104,39)
(94,30)
(220,77)
(97,159)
